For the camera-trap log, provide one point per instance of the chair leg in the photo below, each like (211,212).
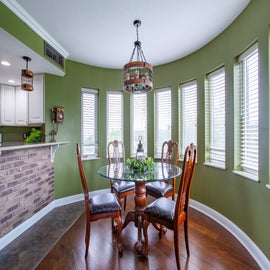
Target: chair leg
(176,247)
(114,228)
(162,231)
(186,235)
(145,235)
(87,238)
(125,203)
(119,234)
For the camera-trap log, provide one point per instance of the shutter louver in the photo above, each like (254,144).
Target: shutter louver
(89,110)
(114,116)
(249,110)
(216,81)
(189,114)
(162,119)
(138,122)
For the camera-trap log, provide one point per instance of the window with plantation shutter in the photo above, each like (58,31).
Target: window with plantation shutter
(114,116)
(89,123)
(249,111)
(162,119)
(215,118)
(138,123)
(187,115)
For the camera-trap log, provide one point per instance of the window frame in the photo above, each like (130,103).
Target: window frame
(157,136)
(215,90)
(140,116)
(93,110)
(184,120)
(109,114)
(244,170)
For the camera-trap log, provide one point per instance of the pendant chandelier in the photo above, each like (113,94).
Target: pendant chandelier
(138,74)
(27,76)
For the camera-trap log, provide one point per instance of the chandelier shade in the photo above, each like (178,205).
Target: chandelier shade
(27,76)
(137,74)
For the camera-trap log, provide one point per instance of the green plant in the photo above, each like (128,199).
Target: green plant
(140,164)
(34,137)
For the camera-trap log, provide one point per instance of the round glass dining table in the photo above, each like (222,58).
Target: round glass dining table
(160,172)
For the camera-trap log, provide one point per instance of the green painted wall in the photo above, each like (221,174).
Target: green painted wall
(244,202)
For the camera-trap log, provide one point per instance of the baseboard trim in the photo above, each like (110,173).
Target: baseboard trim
(250,246)
(12,235)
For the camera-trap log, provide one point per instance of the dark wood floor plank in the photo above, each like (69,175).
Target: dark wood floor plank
(211,246)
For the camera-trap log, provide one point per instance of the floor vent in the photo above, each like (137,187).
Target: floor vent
(54,55)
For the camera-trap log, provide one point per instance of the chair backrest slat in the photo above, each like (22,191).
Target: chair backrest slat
(83,177)
(169,153)
(116,148)
(183,197)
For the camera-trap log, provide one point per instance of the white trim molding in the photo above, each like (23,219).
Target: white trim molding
(250,246)
(19,11)
(12,235)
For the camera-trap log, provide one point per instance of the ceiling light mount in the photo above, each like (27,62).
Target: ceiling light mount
(138,75)
(27,76)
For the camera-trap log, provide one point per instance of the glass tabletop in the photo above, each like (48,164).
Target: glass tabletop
(161,171)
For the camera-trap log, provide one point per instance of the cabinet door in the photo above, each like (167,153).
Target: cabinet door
(36,101)
(7,105)
(21,107)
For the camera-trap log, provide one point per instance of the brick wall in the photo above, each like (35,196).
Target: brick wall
(26,185)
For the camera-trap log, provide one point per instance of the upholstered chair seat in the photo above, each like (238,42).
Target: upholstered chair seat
(121,187)
(104,203)
(159,189)
(162,208)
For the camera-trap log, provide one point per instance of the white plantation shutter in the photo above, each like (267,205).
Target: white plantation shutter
(114,116)
(162,118)
(188,110)
(138,123)
(249,87)
(89,123)
(216,88)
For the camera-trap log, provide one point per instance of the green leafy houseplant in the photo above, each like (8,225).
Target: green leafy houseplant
(34,137)
(140,165)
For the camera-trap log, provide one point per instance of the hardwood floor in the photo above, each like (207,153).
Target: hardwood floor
(211,247)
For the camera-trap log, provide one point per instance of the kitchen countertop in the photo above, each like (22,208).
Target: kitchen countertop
(9,146)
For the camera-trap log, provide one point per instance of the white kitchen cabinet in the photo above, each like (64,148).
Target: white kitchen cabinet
(7,105)
(21,107)
(36,101)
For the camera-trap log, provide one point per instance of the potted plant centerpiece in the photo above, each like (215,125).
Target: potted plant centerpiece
(140,165)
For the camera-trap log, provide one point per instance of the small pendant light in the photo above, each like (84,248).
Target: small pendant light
(27,76)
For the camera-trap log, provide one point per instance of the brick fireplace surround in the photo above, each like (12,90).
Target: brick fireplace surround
(26,185)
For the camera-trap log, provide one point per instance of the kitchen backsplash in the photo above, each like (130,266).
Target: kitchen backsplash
(16,134)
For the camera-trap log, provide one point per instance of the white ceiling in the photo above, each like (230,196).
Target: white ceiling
(12,50)
(101,32)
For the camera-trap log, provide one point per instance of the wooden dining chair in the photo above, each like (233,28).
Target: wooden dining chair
(169,155)
(122,189)
(169,213)
(99,207)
